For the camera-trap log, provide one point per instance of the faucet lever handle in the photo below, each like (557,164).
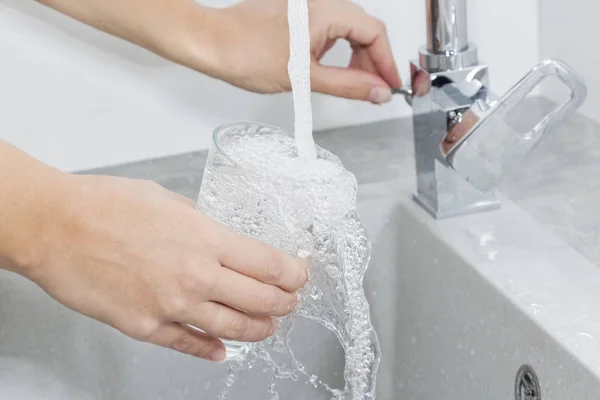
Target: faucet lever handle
(494,145)
(406,91)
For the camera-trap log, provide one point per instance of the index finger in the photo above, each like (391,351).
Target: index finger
(370,33)
(264,263)
(380,52)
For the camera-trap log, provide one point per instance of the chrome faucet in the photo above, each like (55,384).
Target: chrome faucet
(464,140)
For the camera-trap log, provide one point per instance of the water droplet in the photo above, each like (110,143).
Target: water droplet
(536,308)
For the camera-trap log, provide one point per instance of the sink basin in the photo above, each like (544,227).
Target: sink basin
(475,298)
(459,305)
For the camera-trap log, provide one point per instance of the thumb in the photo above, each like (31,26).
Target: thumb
(350,84)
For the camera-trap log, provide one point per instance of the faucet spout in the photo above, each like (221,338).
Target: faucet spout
(464,140)
(446,26)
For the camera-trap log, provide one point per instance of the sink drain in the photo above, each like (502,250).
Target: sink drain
(527,385)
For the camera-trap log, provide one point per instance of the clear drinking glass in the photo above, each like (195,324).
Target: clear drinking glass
(255,183)
(241,189)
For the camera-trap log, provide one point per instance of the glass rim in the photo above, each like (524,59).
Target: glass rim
(227,125)
(236,168)
(235,165)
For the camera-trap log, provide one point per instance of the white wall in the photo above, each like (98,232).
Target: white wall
(76,98)
(568,31)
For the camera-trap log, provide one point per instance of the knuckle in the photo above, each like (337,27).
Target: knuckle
(205,282)
(353,91)
(175,305)
(378,25)
(183,343)
(142,329)
(273,268)
(238,327)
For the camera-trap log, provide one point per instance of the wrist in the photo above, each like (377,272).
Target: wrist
(30,206)
(202,41)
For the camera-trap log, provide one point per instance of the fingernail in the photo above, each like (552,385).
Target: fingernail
(421,92)
(218,355)
(291,306)
(274,326)
(304,265)
(380,95)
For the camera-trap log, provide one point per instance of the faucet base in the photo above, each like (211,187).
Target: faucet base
(480,206)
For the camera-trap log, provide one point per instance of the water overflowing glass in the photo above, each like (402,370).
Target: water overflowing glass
(256,183)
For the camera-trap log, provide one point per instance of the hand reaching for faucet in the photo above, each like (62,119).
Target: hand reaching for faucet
(255,34)
(140,258)
(247,44)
